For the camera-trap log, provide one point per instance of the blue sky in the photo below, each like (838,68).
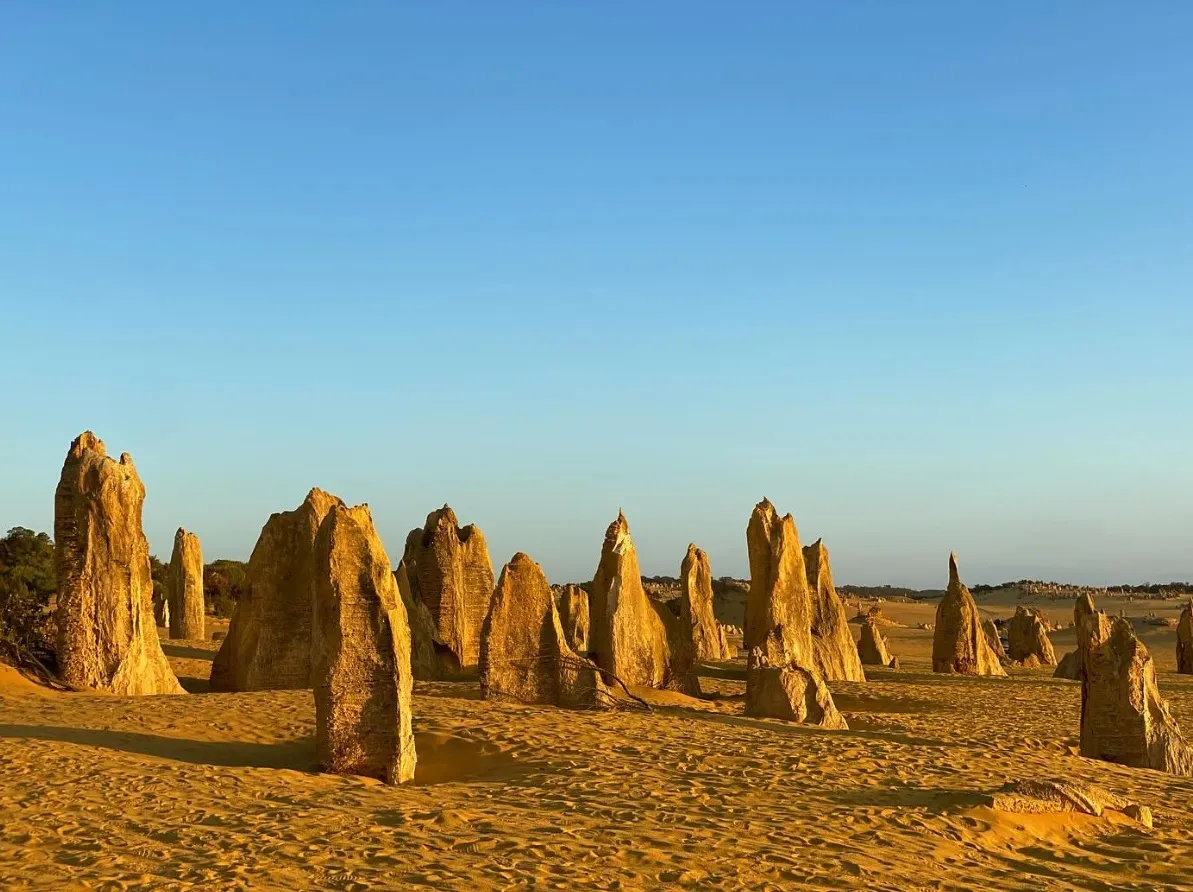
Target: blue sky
(918,272)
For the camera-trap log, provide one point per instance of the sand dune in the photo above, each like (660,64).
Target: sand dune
(217,791)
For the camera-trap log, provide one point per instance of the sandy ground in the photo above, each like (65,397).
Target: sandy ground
(217,791)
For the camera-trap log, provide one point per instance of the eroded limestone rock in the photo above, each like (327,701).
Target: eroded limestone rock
(835,654)
(696,607)
(871,646)
(425,662)
(1184,641)
(1027,636)
(360,653)
(779,604)
(268,646)
(524,653)
(958,643)
(1052,797)
(1069,666)
(573,614)
(791,692)
(994,640)
(106,638)
(185,587)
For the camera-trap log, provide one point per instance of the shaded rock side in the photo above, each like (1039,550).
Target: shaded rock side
(184,584)
(779,604)
(1123,718)
(1184,641)
(696,607)
(791,693)
(1069,666)
(268,646)
(1092,627)
(1027,636)
(161,611)
(871,646)
(958,643)
(360,653)
(524,652)
(631,636)
(425,662)
(573,614)
(994,640)
(450,571)
(106,636)
(836,656)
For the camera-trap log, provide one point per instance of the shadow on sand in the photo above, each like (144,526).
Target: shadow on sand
(187,653)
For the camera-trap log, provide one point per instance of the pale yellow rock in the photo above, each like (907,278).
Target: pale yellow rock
(574,615)
(791,693)
(185,588)
(106,637)
(1027,636)
(524,653)
(995,640)
(958,643)
(696,607)
(832,644)
(360,653)
(425,662)
(872,646)
(779,604)
(1051,797)
(268,646)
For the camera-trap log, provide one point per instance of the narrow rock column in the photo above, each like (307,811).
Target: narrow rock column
(185,586)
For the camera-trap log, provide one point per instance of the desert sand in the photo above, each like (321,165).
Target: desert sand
(218,790)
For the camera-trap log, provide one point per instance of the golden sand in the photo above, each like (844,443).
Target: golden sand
(218,791)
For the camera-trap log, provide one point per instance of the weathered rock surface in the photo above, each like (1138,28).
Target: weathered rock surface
(106,637)
(832,643)
(958,643)
(1069,666)
(1027,636)
(779,604)
(871,646)
(425,662)
(185,588)
(573,614)
(1051,797)
(268,646)
(161,611)
(1184,641)
(994,640)
(1123,718)
(789,692)
(524,653)
(696,607)
(450,571)
(636,639)
(360,652)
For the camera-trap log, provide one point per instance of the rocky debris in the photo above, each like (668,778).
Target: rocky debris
(1069,666)
(1123,719)
(636,639)
(106,637)
(524,653)
(872,647)
(792,693)
(1050,797)
(958,643)
(425,662)
(573,615)
(696,608)
(994,639)
(1184,640)
(450,571)
(832,643)
(360,653)
(185,588)
(268,646)
(1027,636)
(779,604)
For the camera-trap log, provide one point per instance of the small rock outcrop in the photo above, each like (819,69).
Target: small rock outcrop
(696,607)
(958,643)
(1184,641)
(832,643)
(636,639)
(524,652)
(871,646)
(1027,636)
(360,652)
(778,605)
(1053,797)
(995,641)
(791,693)
(1069,666)
(268,646)
(185,588)
(449,570)
(573,614)
(106,638)
(1123,718)
(424,658)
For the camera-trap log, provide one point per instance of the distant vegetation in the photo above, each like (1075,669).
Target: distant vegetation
(27,584)
(223,584)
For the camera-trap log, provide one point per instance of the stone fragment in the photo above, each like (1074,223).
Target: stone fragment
(573,614)
(450,571)
(184,584)
(1123,718)
(425,661)
(360,653)
(836,656)
(696,607)
(636,639)
(958,643)
(792,693)
(524,653)
(1054,797)
(871,646)
(268,646)
(1027,636)
(1184,640)
(106,637)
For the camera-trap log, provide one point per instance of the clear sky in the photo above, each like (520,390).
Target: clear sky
(919,272)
